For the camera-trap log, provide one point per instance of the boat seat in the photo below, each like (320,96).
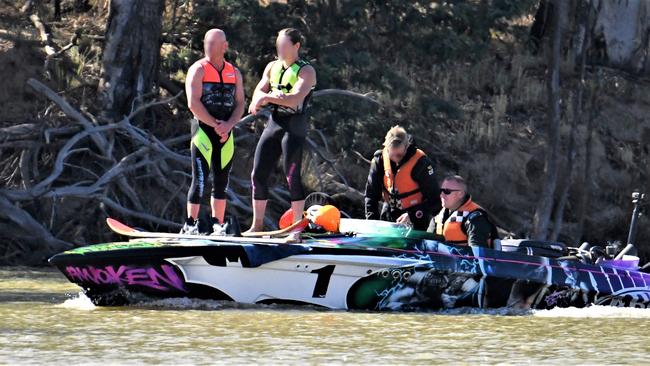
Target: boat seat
(541,248)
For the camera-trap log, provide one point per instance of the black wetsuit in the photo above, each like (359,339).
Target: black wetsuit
(423,173)
(201,169)
(207,151)
(284,136)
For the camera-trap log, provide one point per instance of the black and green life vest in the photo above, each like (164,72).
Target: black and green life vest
(285,80)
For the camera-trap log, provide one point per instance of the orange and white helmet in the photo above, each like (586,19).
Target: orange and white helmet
(328,217)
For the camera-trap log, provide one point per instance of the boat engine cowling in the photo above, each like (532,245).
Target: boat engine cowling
(542,248)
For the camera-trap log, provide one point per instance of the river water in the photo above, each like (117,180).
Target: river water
(45,320)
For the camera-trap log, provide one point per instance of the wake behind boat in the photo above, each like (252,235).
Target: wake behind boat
(370,265)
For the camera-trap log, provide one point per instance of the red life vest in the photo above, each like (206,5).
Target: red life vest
(400,190)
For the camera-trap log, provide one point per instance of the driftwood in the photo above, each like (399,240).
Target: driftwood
(346,93)
(52,50)
(99,168)
(100,141)
(40,241)
(45,35)
(103,185)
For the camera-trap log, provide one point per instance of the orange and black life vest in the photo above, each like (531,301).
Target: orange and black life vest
(400,190)
(218,95)
(452,228)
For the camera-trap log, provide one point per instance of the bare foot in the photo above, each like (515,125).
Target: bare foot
(293,238)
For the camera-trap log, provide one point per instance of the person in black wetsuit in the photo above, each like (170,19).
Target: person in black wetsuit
(286,87)
(215,95)
(401,184)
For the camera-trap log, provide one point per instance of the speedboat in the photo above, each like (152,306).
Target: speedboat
(368,265)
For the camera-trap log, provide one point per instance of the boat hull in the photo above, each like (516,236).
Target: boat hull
(349,274)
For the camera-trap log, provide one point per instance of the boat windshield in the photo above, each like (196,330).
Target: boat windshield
(382,228)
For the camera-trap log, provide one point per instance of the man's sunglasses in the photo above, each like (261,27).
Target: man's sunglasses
(448,191)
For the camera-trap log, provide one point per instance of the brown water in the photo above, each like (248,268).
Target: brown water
(44,320)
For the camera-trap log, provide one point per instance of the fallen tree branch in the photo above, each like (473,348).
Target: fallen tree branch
(45,35)
(100,141)
(25,221)
(151,104)
(72,43)
(71,112)
(19,132)
(346,93)
(173,89)
(132,213)
(360,156)
(43,186)
(94,162)
(331,163)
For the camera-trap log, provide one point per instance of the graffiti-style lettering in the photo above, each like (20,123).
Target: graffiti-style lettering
(638,297)
(162,278)
(137,275)
(115,275)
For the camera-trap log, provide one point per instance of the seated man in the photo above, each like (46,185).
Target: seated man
(402,179)
(461,221)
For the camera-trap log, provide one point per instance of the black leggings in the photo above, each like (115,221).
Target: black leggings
(209,154)
(284,137)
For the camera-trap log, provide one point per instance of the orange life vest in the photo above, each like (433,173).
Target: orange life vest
(218,94)
(452,228)
(211,75)
(400,190)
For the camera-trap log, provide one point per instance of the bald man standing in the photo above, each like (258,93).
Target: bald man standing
(215,95)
